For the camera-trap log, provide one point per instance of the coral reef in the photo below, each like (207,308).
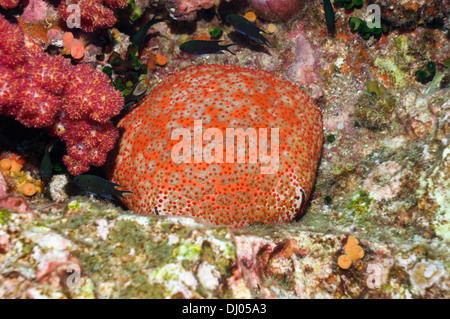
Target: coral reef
(3,186)
(377,222)
(176,257)
(35,11)
(277,10)
(408,14)
(224,188)
(94,14)
(18,180)
(16,204)
(75,103)
(9,4)
(186,9)
(349,4)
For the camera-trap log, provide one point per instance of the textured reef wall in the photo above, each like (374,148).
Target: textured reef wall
(377,224)
(87,250)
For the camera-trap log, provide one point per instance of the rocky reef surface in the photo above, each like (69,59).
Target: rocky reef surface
(384,178)
(86,249)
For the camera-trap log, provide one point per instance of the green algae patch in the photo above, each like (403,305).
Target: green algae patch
(79,220)
(144,290)
(396,75)
(131,238)
(129,235)
(86,291)
(187,251)
(4,216)
(442,197)
(73,205)
(359,204)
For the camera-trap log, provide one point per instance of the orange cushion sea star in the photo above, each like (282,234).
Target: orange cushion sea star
(231,193)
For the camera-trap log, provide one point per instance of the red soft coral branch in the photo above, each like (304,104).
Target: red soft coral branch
(76,103)
(9,4)
(93,13)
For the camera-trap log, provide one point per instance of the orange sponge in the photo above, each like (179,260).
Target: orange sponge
(28,189)
(344,262)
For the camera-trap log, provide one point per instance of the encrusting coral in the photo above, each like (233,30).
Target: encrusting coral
(232,192)
(75,103)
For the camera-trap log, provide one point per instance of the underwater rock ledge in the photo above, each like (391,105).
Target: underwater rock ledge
(86,249)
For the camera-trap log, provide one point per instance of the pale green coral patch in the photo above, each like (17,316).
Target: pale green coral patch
(4,216)
(73,205)
(86,291)
(187,251)
(359,204)
(396,75)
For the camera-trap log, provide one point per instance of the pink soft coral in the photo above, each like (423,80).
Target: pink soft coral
(34,11)
(75,102)
(186,9)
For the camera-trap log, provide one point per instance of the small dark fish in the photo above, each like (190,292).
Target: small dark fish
(98,186)
(244,26)
(46,162)
(329,15)
(200,47)
(142,32)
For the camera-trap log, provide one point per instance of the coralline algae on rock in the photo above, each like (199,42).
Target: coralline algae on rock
(221,187)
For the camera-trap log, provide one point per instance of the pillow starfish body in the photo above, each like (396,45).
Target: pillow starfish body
(221,143)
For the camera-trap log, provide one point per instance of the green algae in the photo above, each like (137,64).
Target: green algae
(73,205)
(187,251)
(216,33)
(360,26)
(359,204)
(129,235)
(349,4)
(86,291)
(437,81)
(374,88)
(144,290)
(375,111)
(331,138)
(396,75)
(4,216)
